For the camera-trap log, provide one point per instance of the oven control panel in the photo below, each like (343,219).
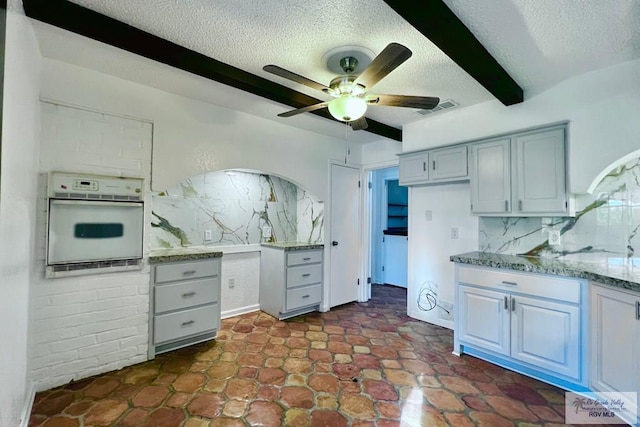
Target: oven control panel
(85,184)
(64,185)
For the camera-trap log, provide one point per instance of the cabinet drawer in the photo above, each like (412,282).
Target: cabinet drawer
(304,257)
(176,296)
(304,275)
(564,289)
(186,270)
(168,327)
(301,297)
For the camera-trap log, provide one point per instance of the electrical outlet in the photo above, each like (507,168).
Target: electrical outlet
(454,233)
(232,282)
(554,237)
(266,231)
(207,235)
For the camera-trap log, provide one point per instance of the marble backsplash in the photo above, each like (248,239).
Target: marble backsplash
(236,206)
(607,223)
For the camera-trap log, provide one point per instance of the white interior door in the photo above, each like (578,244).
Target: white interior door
(345,234)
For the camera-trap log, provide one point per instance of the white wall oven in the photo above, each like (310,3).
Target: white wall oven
(95,224)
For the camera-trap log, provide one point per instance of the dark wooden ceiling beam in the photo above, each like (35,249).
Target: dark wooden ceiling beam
(440,25)
(88,23)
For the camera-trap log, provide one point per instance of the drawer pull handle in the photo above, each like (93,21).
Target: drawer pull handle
(637,310)
(506,303)
(504,282)
(306,259)
(513,304)
(305,296)
(188,294)
(188,322)
(188,272)
(306,275)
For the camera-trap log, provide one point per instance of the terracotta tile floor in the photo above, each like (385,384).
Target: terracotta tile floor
(358,365)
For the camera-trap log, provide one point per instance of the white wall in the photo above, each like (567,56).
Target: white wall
(189,138)
(18,184)
(430,244)
(380,153)
(86,325)
(192,137)
(244,268)
(601,106)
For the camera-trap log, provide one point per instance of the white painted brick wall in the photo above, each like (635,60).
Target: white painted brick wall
(86,325)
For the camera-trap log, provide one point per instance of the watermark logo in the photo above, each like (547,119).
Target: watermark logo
(601,408)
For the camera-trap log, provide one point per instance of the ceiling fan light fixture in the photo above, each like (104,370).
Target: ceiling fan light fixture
(347,108)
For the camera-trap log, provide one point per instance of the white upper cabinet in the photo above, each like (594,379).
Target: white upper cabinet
(540,172)
(522,174)
(448,163)
(491,177)
(413,168)
(434,166)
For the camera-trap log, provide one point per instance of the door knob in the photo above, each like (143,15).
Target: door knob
(334,243)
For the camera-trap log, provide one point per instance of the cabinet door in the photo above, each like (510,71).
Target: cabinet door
(491,177)
(484,319)
(546,334)
(413,169)
(540,172)
(448,163)
(615,340)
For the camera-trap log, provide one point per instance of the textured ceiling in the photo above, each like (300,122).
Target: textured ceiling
(538,42)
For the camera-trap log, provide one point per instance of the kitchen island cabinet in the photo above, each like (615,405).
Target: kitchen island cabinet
(615,341)
(531,322)
(609,316)
(184,298)
(290,278)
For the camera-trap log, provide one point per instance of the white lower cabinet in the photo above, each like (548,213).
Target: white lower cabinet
(184,303)
(482,320)
(290,280)
(546,334)
(615,340)
(530,321)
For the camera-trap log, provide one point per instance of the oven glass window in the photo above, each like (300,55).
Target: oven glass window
(98,230)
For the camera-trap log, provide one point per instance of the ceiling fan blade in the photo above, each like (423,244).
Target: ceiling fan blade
(359,124)
(289,75)
(306,109)
(422,102)
(388,60)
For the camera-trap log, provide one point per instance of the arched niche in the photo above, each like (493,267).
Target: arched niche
(235,207)
(614,169)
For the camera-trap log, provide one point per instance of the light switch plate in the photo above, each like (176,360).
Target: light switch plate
(207,235)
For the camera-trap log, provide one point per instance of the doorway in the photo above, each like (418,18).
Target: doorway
(389,231)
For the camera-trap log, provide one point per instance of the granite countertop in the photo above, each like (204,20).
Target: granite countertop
(294,246)
(182,254)
(603,269)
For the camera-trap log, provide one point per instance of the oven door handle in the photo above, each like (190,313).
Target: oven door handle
(131,204)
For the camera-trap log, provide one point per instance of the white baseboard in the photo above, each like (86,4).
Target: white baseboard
(433,320)
(239,311)
(28,404)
